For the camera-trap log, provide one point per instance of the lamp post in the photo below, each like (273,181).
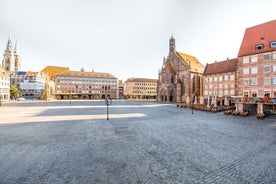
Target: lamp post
(108,102)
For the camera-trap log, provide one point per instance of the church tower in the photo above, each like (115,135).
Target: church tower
(11,59)
(172,44)
(17,59)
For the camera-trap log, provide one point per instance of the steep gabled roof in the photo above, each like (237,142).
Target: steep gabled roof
(221,67)
(262,34)
(195,65)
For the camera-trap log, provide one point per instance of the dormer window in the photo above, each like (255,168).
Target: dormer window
(259,47)
(273,44)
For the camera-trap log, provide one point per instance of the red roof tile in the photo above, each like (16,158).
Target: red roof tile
(221,67)
(260,34)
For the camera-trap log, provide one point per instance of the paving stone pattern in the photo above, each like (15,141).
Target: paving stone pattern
(165,145)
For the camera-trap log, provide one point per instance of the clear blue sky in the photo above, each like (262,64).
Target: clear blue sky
(127,38)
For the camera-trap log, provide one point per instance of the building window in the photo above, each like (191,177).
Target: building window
(245,93)
(259,47)
(266,57)
(206,79)
(274,55)
(210,86)
(254,93)
(267,81)
(245,82)
(274,80)
(266,68)
(246,71)
(254,70)
(220,78)
(274,68)
(254,59)
(254,81)
(231,77)
(226,77)
(272,44)
(210,79)
(245,60)
(266,93)
(215,79)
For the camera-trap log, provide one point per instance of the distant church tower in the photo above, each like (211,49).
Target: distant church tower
(17,59)
(172,45)
(11,59)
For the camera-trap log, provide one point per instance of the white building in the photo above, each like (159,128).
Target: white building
(4,85)
(30,84)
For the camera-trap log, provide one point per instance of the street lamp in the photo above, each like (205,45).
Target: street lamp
(108,102)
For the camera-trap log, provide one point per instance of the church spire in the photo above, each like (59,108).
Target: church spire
(9,44)
(172,44)
(15,47)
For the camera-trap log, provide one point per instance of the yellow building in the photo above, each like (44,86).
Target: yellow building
(140,88)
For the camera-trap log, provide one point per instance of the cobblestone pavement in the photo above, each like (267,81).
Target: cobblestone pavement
(143,142)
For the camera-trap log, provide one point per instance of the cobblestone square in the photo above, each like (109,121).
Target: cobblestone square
(143,142)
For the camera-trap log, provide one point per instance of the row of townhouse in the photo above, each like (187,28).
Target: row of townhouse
(252,74)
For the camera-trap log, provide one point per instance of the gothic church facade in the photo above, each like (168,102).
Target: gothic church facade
(180,78)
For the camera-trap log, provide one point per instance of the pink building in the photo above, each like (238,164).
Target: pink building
(257,61)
